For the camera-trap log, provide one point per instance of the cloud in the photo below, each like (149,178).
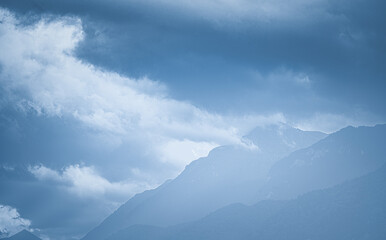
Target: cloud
(11,222)
(85,182)
(335,40)
(331,122)
(40,73)
(219,11)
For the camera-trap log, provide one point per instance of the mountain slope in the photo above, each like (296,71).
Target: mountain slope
(346,154)
(23,235)
(226,176)
(353,210)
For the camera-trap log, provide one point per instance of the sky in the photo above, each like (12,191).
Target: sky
(100,100)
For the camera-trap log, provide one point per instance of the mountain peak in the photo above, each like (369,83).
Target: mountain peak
(281,138)
(227,175)
(23,235)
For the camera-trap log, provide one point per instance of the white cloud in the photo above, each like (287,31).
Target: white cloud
(85,181)
(11,222)
(40,73)
(44,173)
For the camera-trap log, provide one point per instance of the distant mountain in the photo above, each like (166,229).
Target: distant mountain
(354,210)
(229,174)
(346,154)
(280,140)
(22,235)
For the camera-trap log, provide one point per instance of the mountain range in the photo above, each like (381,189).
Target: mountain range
(353,210)
(277,163)
(227,175)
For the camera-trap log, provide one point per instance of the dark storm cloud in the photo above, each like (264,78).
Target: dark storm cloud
(338,45)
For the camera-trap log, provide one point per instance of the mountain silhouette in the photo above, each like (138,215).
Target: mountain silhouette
(23,235)
(229,174)
(346,154)
(354,210)
(274,167)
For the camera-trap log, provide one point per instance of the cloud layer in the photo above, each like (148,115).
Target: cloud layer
(86,182)
(40,73)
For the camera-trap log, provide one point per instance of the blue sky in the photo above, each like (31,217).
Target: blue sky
(126,93)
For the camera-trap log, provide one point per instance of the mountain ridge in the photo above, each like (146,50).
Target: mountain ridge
(353,210)
(225,176)
(346,154)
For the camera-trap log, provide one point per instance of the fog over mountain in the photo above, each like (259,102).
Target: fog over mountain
(168,119)
(205,186)
(346,154)
(352,210)
(228,175)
